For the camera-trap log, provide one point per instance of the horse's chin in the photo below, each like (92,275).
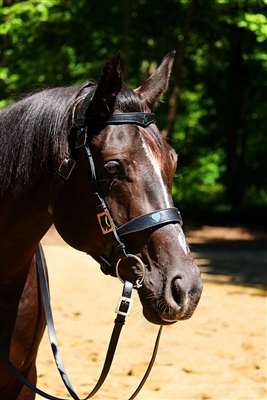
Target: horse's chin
(153,314)
(153,317)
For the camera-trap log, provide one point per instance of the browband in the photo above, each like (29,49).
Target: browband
(138,118)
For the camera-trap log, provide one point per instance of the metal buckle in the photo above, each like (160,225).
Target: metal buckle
(105,222)
(80,138)
(124,306)
(66,167)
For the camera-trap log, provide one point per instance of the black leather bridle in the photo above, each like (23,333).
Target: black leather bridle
(155,219)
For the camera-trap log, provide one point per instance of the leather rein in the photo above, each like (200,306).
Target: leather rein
(115,234)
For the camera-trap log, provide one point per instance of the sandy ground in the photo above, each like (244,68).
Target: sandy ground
(220,353)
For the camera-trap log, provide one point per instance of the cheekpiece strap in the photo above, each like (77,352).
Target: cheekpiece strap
(81,117)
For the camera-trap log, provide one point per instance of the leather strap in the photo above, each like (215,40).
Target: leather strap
(150,220)
(149,366)
(81,117)
(137,118)
(122,310)
(50,397)
(61,176)
(119,322)
(50,322)
(24,380)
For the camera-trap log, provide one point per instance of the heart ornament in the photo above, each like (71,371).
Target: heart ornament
(156,217)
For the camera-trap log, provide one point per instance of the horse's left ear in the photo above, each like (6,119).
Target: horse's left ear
(107,89)
(157,83)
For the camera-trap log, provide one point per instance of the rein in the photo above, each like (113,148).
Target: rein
(123,309)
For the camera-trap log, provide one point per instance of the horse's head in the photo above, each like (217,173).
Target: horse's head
(127,207)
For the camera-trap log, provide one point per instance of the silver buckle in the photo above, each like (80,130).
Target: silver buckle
(66,167)
(129,304)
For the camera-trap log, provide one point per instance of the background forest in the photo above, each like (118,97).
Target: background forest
(214,113)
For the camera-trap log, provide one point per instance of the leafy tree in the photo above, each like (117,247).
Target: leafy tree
(222,106)
(218,127)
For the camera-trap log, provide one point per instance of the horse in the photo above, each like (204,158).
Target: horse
(90,160)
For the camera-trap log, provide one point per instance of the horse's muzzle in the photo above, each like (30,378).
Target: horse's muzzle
(172,301)
(181,299)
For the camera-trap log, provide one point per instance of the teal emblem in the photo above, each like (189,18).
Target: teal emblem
(156,217)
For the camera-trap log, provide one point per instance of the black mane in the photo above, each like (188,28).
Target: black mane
(34,131)
(33,134)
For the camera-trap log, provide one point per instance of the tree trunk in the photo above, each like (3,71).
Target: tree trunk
(126,24)
(173,102)
(234,179)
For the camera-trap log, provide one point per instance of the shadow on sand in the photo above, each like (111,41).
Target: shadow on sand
(230,255)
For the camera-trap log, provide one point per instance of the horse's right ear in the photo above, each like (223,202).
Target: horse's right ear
(107,89)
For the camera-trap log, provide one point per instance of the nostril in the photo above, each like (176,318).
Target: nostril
(177,292)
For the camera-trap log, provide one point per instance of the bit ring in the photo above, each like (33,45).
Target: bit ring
(139,281)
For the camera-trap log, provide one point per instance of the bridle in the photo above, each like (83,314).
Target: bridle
(115,243)
(115,234)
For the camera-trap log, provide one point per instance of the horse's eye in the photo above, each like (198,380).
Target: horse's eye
(112,168)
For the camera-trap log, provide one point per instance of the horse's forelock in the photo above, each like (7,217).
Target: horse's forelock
(128,101)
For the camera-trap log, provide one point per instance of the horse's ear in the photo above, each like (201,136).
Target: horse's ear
(157,83)
(108,87)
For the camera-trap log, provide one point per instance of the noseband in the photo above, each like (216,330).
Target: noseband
(115,234)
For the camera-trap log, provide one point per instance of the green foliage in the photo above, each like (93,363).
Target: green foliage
(60,42)
(32,54)
(201,182)
(256,23)
(203,115)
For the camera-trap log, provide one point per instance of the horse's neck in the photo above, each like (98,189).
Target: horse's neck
(24,221)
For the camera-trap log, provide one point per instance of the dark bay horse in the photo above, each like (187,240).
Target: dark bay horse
(103,135)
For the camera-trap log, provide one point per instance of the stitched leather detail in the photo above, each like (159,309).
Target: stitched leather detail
(151,220)
(137,118)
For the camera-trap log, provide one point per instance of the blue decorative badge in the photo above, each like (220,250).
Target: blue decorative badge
(156,217)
